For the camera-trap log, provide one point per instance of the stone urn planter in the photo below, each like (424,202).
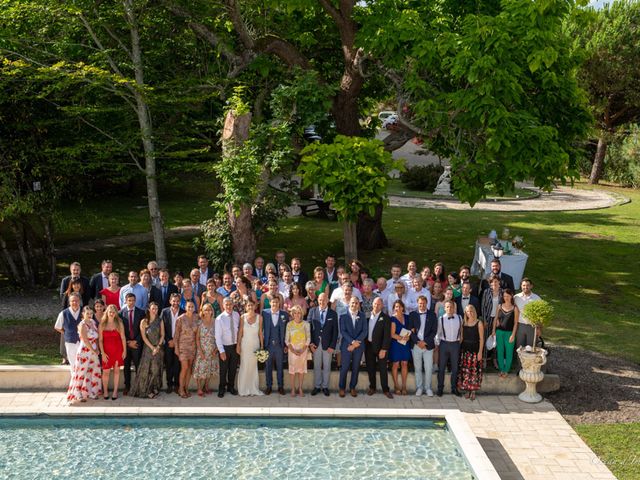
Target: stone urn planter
(532,358)
(530,373)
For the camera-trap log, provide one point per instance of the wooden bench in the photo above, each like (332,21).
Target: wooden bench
(318,205)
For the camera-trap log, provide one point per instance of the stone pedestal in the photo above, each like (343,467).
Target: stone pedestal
(530,373)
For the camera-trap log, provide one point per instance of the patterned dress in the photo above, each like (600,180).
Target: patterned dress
(185,336)
(470,369)
(148,381)
(203,368)
(86,378)
(299,336)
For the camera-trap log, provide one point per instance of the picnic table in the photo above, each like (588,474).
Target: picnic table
(319,206)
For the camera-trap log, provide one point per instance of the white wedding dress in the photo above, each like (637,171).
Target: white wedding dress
(248,381)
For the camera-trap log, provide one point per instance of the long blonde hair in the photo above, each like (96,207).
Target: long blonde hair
(117,319)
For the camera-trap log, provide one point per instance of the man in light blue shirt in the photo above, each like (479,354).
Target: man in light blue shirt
(138,290)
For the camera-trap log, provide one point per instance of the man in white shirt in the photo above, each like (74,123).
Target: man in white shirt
(450,335)
(382,291)
(203,267)
(412,272)
(226,330)
(526,332)
(338,293)
(396,271)
(416,291)
(284,287)
(330,273)
(67,325)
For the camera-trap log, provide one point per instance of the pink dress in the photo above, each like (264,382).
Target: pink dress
(86,377)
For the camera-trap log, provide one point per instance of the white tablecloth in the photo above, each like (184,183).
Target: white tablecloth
(513,264)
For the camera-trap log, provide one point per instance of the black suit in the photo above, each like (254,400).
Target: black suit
(171,361)
(380,340)
(132,332)
(86,289)
(475,301)
(155,295)
(506,281)
(95,285)
(303,278)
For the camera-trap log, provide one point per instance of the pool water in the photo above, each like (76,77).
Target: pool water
(228,448)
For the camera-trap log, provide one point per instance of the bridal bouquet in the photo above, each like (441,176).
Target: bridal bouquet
(262,355)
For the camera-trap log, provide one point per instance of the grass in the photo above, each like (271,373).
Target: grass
(396,187)
(616,445)
(28,342)
(583,262)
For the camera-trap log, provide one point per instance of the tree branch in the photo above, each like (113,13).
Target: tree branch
(239,25)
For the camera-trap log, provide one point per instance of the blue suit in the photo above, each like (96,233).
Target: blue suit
(274,343)
(351,360)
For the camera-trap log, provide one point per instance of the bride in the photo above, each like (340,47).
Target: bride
(250,339)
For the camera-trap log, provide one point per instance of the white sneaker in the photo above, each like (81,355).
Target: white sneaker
(418,392)
(429,392)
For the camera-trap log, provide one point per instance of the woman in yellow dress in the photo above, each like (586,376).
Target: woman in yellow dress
(297,338)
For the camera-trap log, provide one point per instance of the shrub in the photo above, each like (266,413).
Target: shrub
(622,162)
(423,178)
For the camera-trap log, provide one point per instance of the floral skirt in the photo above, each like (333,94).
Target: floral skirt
(469,372)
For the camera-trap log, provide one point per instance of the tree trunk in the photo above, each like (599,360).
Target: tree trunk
(146,133)
(24,259)
(8,258)
(50,251)
(243,238)
(370,232)
(350,241)
(598,162)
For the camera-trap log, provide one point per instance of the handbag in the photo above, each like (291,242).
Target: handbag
(491,342)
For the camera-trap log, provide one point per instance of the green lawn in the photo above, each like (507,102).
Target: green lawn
(396,187)
(583,262)
(616,445)
(28,342)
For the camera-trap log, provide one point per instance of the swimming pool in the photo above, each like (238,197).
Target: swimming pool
(237,447)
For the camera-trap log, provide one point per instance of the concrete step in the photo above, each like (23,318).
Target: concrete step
(56,377)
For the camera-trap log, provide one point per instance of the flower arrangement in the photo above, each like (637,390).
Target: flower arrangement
(518,242)
(262,355)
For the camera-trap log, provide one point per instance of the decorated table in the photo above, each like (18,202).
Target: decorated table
(513,261)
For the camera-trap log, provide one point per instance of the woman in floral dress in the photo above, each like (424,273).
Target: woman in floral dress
(86,378)
(470,367)
(206,352)
(297,338)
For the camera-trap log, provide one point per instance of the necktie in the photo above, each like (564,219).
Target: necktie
(131,324)
(164,294)
(322,318)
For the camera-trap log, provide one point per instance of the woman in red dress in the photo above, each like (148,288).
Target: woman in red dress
(111,294)
(113,348)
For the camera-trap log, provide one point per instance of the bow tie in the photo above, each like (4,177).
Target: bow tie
(450,318)
(465,298)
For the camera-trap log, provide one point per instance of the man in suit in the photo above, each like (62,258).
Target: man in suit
(424,326)
(169,317)
(258,269)
(465,276)
(274,323)
(330,273)
(161,294)
(377,345)
(75,270)
(299,277)
(353,327)
(205,272)
(154,272)
(324,337)
(467,299)
(131,317)
(280,259)
(198,288)
(506,281)
(101,279)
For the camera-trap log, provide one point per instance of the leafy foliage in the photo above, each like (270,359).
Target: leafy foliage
(424,178)
(351,172)
(623,158)
(539,313)
(493,90)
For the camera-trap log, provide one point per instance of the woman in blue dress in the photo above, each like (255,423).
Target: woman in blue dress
(400,351)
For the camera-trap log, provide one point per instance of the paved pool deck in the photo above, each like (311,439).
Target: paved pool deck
(522,441)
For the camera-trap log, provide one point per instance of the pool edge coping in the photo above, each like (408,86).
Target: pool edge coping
(474,455)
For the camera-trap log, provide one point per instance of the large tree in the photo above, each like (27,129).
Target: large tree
(610,38)
(131,78)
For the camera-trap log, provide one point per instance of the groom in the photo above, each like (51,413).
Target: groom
(274,323)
